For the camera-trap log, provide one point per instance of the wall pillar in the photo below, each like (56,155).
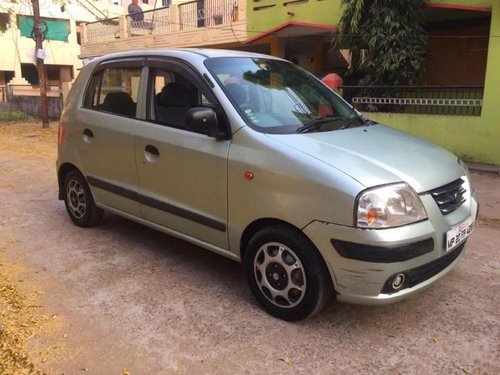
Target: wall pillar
(490,109)
(319,48)
(241,15)
(65,74)
(65,87)
(18,76)
(123,27)
(277,47)
(175,18)
(83,36)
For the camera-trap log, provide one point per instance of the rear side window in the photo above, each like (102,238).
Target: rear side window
(114,90)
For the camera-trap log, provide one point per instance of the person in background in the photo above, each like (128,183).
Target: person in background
(135,11)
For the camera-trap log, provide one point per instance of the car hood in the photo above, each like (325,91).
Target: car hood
(377,154)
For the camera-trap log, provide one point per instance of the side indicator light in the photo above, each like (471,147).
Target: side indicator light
(248,175)
(60,134)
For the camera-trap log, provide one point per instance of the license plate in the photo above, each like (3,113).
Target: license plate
(456,235)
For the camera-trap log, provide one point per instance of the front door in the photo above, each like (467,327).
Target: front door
(182,174)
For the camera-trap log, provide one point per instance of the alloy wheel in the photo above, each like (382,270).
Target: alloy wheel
(280,275)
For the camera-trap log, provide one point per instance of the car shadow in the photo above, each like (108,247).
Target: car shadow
(170,254)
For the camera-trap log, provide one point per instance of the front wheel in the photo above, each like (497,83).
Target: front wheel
(286,273)
(79,201)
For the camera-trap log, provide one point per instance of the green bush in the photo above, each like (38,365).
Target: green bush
(387,38)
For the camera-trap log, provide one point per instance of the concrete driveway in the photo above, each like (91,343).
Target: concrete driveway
(124,299)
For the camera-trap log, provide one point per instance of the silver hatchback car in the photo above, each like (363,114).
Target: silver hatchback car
(253,158)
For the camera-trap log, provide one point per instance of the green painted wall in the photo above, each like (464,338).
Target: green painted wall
(474,139)
(263,15)
(470,3)
(324,12)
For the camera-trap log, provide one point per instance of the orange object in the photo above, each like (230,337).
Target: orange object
(333,81)
(372,215)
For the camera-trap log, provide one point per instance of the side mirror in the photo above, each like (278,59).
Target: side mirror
(202,120)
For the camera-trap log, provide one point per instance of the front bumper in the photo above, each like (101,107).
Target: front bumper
(365,282)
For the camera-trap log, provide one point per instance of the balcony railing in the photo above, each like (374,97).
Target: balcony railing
(186,16)
(214,12)
(428,100)
(104,30)
(154,22)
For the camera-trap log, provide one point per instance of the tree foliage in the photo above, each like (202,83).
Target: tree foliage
(390,37)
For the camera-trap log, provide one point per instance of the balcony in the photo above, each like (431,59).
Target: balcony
(219,23)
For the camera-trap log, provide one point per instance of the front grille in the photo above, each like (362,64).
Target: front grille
(450,196)
(418,275)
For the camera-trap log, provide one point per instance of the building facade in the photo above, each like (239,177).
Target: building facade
(456,106)
(62,29)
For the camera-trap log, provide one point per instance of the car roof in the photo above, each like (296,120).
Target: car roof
(184,53)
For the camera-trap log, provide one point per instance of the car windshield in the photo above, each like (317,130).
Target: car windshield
(276,96)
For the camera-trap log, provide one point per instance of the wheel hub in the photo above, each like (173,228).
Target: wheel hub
(276,276)
(280,274)
(77,202)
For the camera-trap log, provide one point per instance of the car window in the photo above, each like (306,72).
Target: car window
(275,96)
(173,95)
(114,90)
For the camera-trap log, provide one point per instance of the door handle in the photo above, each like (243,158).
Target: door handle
(152,150)
(151,153)
(88,136)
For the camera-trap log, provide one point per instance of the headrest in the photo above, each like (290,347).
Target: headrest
(118,97)
(175,95)
(237,92)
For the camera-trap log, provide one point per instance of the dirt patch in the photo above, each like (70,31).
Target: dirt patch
(22,320)
(489,223)
(29,139)
(122,298)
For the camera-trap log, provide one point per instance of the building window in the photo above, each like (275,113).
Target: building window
(4,22)
(53,75)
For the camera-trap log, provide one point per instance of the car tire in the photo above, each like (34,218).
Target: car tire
(286,273)
(79,201)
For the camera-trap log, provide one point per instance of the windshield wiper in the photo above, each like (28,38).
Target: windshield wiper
(370,122)
(316,123)
(350,122)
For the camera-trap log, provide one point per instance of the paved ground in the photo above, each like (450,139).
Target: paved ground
(123,299)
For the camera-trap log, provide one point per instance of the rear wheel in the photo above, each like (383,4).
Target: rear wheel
(79,201)
(286,273)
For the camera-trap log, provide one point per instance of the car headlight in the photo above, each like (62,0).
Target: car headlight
(465,168)
(389,206)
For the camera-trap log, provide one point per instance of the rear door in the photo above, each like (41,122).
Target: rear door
(182,174)
(108,123)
